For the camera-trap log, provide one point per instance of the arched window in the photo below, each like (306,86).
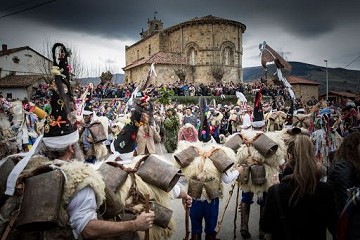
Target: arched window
(191,56)
(228,56)
(149,49)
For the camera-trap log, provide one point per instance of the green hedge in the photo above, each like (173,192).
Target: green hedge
(229,99)
(187,100)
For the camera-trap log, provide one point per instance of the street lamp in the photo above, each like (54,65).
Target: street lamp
(327,81)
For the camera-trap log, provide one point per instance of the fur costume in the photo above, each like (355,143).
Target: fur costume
(275,121)
(302,120)
(202,167)
(78,176)
(247,154)
(161,197)
(8,138)
(99,149)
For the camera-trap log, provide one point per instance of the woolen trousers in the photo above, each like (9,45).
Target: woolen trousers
(204,210)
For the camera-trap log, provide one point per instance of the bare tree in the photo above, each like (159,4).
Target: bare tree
(106,77)
(180,72)
(43,64)
(218,72)
(76,63)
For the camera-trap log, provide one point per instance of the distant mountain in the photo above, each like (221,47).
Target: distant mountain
(340,79)
(117,79)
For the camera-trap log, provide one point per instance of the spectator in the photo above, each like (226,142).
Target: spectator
(300,206)
(344,176)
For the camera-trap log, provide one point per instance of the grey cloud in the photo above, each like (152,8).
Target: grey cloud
(125,19)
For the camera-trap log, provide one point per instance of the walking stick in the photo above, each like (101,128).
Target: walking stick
(147,208)
(187,230)
(236,207)
(218,227)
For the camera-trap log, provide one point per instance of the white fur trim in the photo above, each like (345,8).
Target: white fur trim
(258,124)
(61,142)
(86,112)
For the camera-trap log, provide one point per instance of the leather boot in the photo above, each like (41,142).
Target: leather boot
(245,213)
(211,237)
(261,233)
(195,236)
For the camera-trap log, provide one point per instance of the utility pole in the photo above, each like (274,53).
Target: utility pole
(327,80)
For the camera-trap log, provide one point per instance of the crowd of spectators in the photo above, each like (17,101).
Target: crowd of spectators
(111,90)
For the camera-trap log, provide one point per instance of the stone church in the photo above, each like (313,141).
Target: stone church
(204,49)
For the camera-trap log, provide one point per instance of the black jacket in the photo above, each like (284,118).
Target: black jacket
(342,176)
(308,220)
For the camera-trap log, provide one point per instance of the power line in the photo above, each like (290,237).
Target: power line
(29,8)
(16,5)
(352,61)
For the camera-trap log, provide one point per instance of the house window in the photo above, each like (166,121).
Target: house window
(16,59)
(137,54)
(149,49)
(8,95)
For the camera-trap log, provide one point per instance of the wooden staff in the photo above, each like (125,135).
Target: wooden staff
(236,208)
(147,208)
(187,230)
(218,227)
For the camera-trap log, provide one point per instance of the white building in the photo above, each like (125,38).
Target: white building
(20,86)
(23,61)
(21,70)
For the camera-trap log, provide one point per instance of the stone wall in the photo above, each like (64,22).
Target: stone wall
(306,91)
(207,39)
(141,49)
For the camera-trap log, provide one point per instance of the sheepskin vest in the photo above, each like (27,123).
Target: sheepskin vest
(248,155)
(78,176)
(156,194)
(202,169)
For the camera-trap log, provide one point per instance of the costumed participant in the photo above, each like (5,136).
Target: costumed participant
(171,129)
(147,136)
(246,118)
(5,105)
(188,133)
(261,154)
(205,165)
(28,130)
(8,137)
(143,175)
(93,133)
(215,124)
(234,120)
(51,193)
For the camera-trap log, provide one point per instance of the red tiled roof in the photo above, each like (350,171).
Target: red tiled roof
(18,81)
(163,58)
(207,19)
(299,80)
(343,94)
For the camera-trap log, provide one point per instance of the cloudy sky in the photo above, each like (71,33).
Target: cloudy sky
(306,31)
